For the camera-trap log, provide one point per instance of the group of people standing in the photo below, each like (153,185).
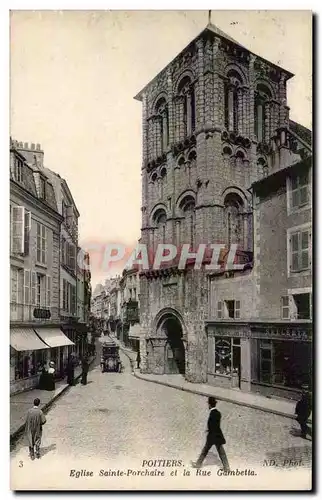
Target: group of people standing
(71,365)
(48,373)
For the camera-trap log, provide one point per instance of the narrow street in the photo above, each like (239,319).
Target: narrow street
(117,421)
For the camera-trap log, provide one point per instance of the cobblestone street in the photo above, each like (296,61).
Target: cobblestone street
(117,421)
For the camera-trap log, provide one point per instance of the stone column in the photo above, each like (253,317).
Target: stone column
(245,113)
(158,138)
(218,95)
(231,109)
(180,122)
(165,129)
(144,129)
(267,122)
(252,96)
(200,90)
(240,111)
(150,139)
(260,118)
(188,98)
(171,115)
(178,229)
(283,101)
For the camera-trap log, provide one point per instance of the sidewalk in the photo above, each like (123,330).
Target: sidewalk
(282,407)
(21,402)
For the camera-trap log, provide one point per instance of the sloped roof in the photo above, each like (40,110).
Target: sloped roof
(303,132)
(216,31)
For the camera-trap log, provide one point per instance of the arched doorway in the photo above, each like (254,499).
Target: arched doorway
(174,350)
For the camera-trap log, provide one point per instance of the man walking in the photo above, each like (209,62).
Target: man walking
(85,368)
(138,359)
(70,369)
(303,410)
(33,427)
(215,437)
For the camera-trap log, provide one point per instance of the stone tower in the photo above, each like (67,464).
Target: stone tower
(214,121)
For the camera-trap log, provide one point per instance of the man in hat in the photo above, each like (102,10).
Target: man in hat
(215,437)
(85,368)
(33,428)
(303,410)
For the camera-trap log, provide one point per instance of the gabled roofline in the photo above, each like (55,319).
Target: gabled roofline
(211,28)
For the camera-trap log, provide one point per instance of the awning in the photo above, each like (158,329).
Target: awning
(54,337)
(135,331)
(25,339)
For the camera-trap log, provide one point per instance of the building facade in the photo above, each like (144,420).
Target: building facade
(215,122)
(130,293)
(35,222)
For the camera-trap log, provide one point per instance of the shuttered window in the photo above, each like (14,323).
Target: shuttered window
(219,310)
(27,284)
(41,244)
(33,288)
(48,291)
(17,229)
(300,250)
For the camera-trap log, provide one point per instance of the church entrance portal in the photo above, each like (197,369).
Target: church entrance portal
(174,350)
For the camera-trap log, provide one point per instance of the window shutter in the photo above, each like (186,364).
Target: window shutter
(20,286)
(27,230)
(18,222)
(38,242)
(285,307)
(295,252)
(63,250)
(13,283)
(237,309)
(48,291)
(219,310)
(73,299)
(26,287)
(33,288)
(43,244)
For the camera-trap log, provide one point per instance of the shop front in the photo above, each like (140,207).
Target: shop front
(229,355)
(59,345)
(28,354)
(281,359)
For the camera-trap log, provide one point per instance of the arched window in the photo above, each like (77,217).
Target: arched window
(160,221)
(161,110)
(187,92)
(234,218)
(262,111)
(160,217)
(232,108)
(188,206)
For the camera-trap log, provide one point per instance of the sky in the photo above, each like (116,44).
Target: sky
(73,77)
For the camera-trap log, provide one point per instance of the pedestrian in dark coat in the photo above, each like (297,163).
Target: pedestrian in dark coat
(138,360)
(215,437)
(33,428)
(85,368)
(303,411)
(70,370)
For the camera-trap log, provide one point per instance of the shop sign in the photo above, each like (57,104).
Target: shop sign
(42,313)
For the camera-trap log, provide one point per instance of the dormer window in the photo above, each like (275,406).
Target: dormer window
(18,169)
(64,209)
(42,188)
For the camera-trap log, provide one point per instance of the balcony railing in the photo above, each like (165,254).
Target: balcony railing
(33,314)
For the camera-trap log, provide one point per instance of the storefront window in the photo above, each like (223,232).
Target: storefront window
(227,356)
(29,363)
(285,363)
